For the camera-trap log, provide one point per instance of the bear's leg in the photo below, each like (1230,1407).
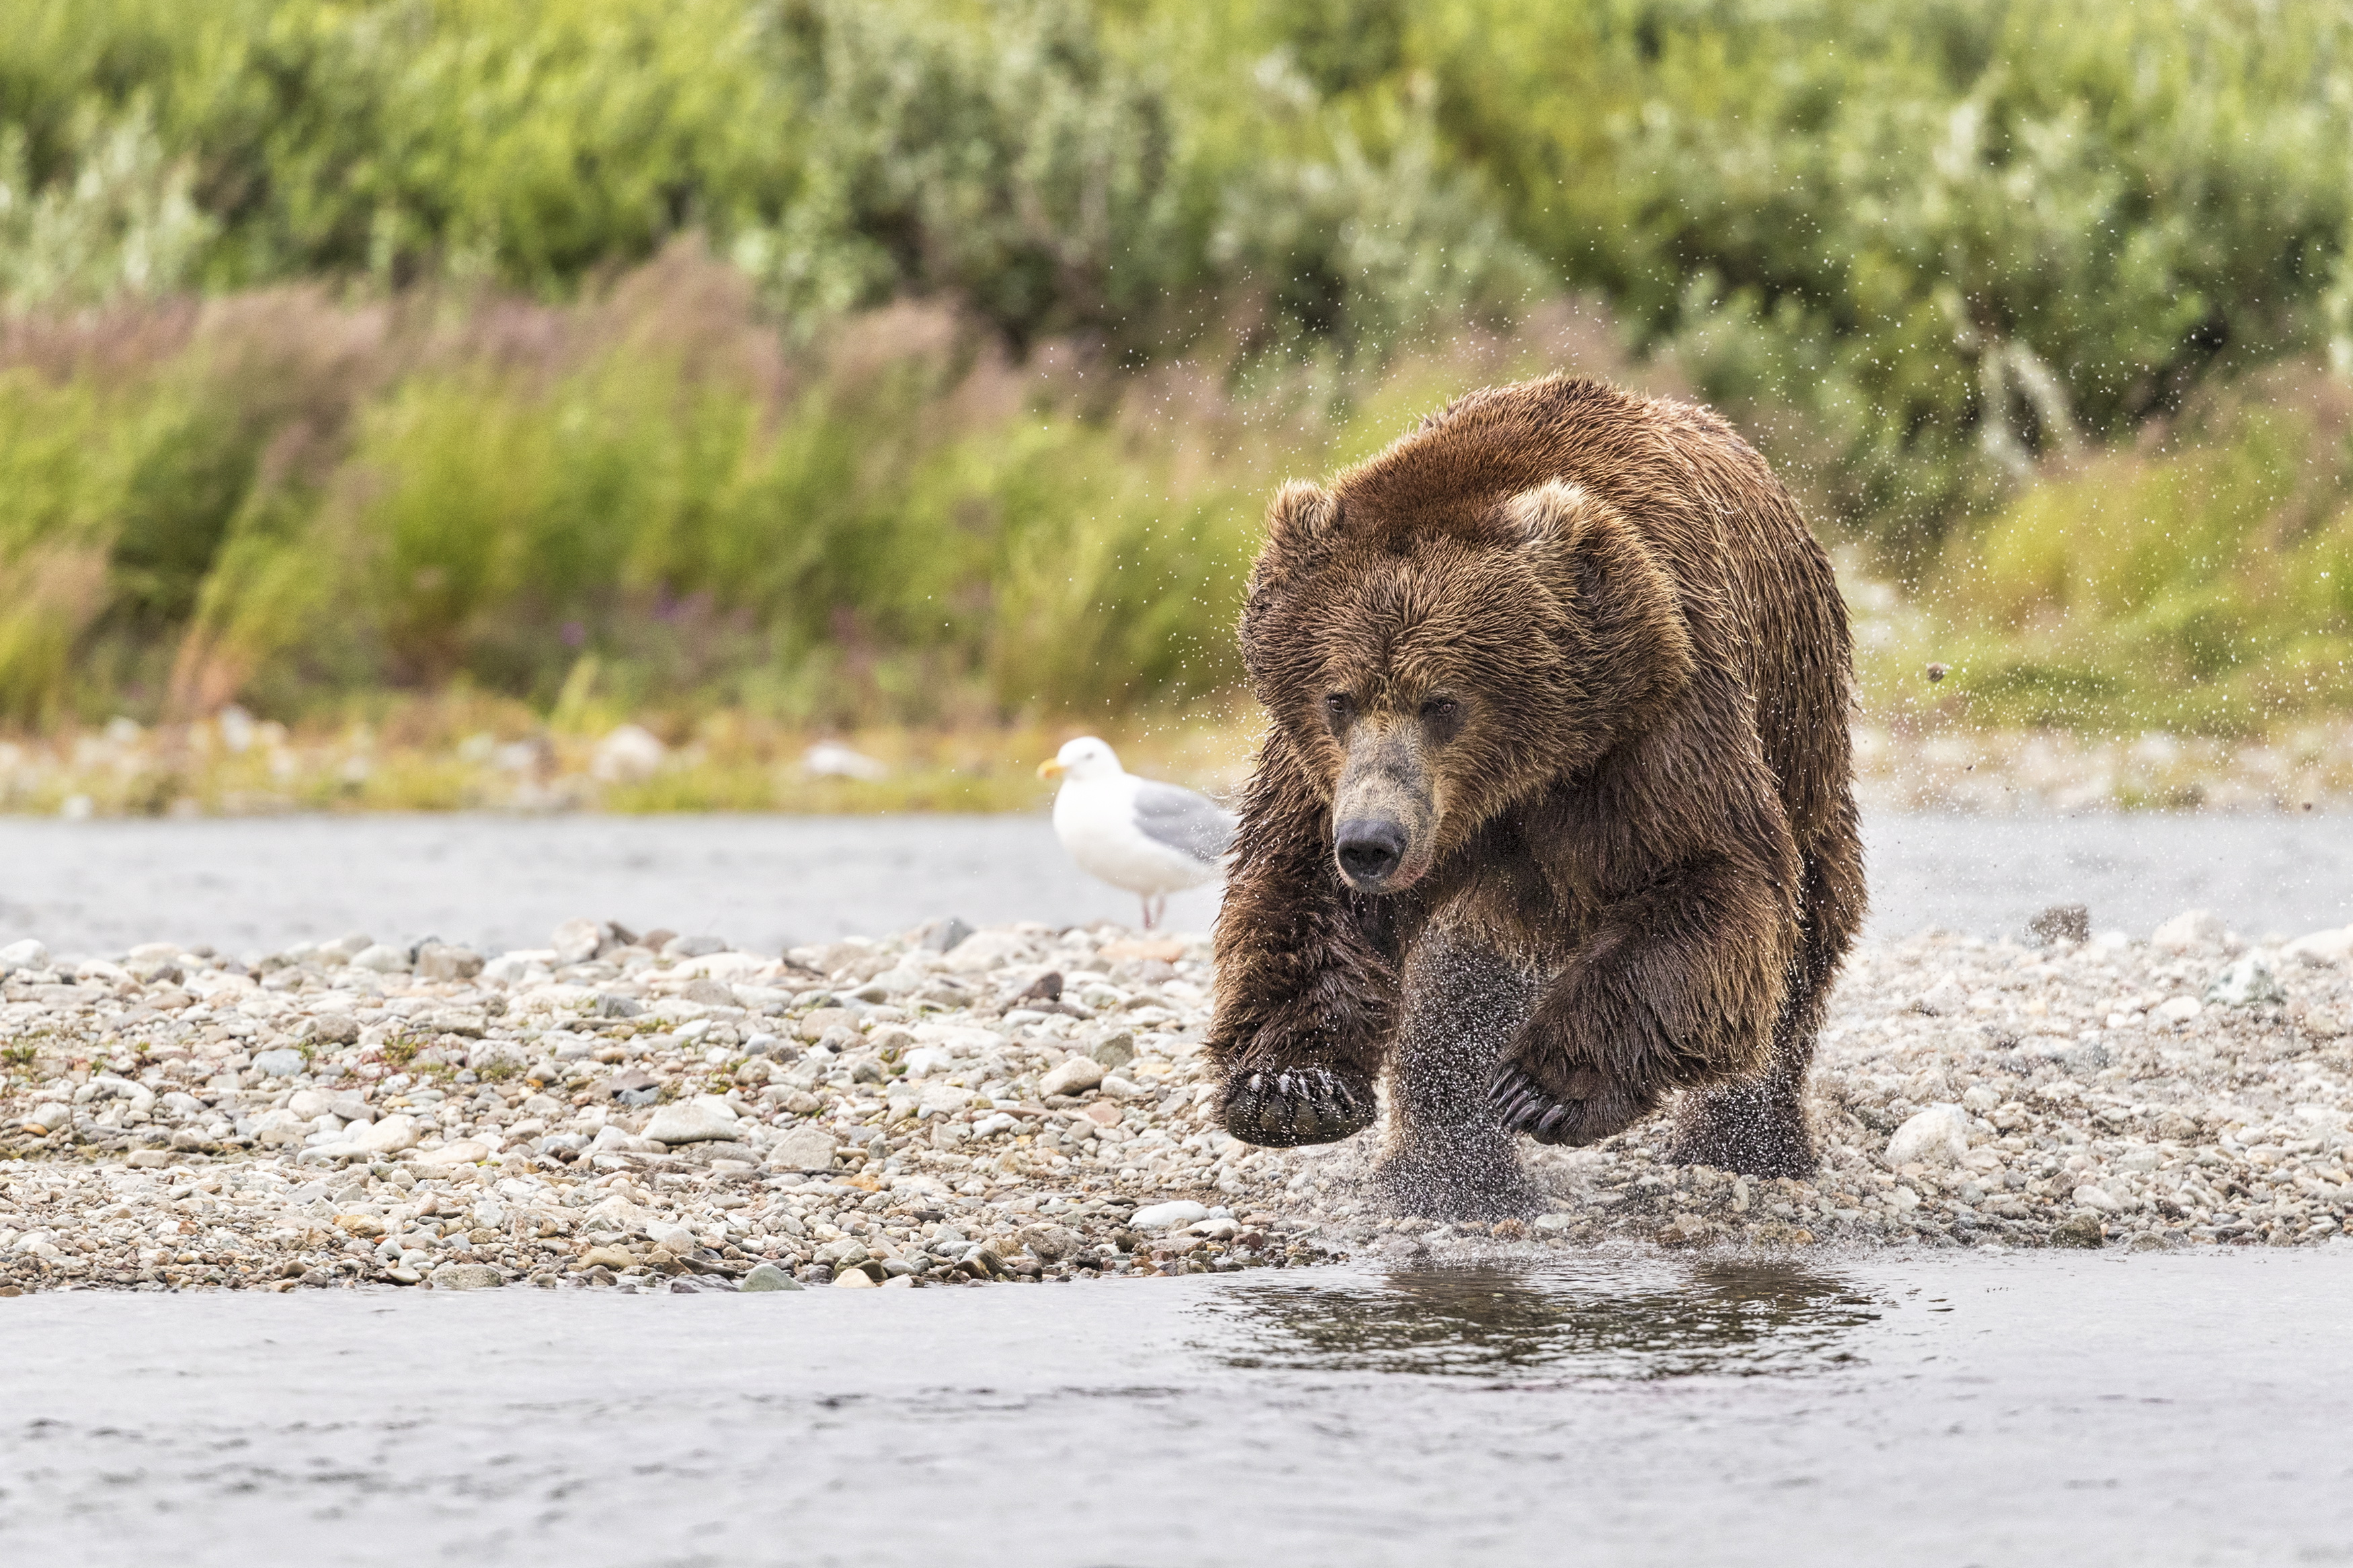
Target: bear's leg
(1758,1126)
(1445,1154)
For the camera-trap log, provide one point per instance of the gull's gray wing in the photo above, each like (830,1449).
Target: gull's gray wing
(1185,821)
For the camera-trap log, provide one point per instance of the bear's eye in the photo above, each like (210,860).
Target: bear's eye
(1442,714)
(1335,708)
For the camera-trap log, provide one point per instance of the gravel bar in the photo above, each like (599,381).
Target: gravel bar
(1022,1104)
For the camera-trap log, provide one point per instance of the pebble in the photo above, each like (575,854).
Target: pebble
(697,1122)
(515,1119)
(1075,1076)
(467,1277)
(768,1276)
(1940,1133)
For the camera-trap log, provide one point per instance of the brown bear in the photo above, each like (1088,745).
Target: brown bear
(1555,811)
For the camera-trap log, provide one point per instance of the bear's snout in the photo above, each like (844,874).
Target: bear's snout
(1370,851)
(1385,810)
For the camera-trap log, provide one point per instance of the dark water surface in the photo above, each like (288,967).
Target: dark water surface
(1937,1408)
(256,884)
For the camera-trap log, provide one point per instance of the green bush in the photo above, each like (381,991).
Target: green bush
(2201,585)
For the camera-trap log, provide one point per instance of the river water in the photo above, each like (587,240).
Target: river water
(1949,1409)
(253,885)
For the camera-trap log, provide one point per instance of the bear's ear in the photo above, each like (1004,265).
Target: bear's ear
(1633,648)
(1548,518)
(1298,523)
(1300,517)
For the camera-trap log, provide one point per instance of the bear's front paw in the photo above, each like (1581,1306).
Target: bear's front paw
(1304,1105)
(1589,1107)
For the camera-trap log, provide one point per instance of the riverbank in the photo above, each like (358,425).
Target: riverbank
(1028,1104)
(488,756)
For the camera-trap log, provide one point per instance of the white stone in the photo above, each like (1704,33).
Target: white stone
(2249,983)
(629,755)
(389,1136)
(450,1156)
(676,1237)
(24,955)
(2190,930)
(2097,1197)
(1075,1076)
(1939,1135)
(1943,999)
(382,959)
(990,950)
(613,1139)
(577,941)
(2179,1010)
(693,1121)
(141,1097)
(1161,1216)
(893,984)
(2321,949)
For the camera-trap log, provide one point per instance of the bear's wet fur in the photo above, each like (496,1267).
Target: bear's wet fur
(1555,814)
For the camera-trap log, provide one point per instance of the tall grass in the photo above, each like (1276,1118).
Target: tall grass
(645,500)
(2201,581)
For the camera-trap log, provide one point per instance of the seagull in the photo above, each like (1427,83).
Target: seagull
(1149,837)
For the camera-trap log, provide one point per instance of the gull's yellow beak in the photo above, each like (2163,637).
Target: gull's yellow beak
(1050,769)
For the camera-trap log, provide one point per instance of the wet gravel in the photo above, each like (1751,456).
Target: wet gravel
(1021,1104)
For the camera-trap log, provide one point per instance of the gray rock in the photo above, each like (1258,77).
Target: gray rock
(1075,1076)
(691,1122)
(1052,1242)
(946,935)
(2081,1228)
(282,1063)
(467,1277)
(2061,922)
(445,961)
(577,941)
(1115,1051)
(335,1029)
(768,1276)
(382,959)
(803,1149)
(694,946)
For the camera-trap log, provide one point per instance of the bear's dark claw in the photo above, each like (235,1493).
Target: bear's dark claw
(1523,1105)
(1309,1105)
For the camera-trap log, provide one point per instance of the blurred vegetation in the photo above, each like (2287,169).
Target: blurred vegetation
(855,362)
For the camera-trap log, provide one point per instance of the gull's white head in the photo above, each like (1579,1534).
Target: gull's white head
(1082,760)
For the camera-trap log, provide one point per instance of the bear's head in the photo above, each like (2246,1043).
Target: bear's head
(1435,656)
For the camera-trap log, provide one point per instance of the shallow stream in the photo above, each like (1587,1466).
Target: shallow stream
(254,885)
(1946,1408)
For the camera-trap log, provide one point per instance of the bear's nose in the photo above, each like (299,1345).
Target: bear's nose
(1369,848)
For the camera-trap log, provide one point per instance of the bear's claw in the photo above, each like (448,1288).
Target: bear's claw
(1304,1105)
(1523,1105)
